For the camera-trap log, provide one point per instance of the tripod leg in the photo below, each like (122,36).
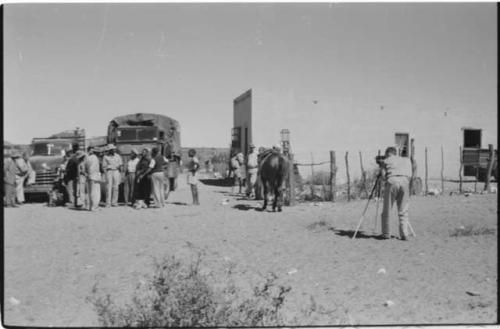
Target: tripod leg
(411,229)
(366,207)
(376,214)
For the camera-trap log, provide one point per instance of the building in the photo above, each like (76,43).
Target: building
(319,125)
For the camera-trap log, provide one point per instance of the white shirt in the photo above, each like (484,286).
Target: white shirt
(152,163)
(132,164)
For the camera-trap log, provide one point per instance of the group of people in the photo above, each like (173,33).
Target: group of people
(244,171)
(17,173)
(147,176)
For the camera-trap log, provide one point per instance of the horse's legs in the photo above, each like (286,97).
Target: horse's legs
(265,195)
(276,197)
(281,192)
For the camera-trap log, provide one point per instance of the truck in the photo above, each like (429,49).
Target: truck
(47,155)
(141,130)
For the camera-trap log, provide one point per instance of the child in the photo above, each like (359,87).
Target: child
(192,180)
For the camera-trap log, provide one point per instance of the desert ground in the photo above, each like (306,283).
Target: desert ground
(54,256)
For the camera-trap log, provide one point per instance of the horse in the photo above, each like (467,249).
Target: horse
(273,172)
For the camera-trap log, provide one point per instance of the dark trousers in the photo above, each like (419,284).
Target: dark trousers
(143,190)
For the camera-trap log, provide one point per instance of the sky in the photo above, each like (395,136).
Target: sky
(80,65)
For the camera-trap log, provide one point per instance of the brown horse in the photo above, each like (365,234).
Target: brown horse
(273,172)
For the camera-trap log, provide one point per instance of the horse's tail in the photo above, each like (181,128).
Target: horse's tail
(284,169)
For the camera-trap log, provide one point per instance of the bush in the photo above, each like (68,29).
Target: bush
(319,178)
(178,295)
(470,230)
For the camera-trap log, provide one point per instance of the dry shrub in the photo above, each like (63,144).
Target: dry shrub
(471,230)
(181,296)
(318,226)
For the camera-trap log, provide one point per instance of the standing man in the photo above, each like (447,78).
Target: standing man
(236,162)
(128,185)
(192,179)
(70,176)
(397,173)
(9,180)
(93,175)
(112,164)
(80,181)
(31,176)
(252,168)
(174,163)
(156,170)
(143,183)
(21,175)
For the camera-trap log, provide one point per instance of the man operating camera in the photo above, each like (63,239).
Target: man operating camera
(398,173)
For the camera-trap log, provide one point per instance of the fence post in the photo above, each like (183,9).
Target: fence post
(290,184)
(442,170)
(312,177)
(460,171)
(348,177)
(413,167)
(491,159)
(363,174)
(333,175)
(426,173)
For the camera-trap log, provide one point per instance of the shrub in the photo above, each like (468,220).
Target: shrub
(179,295)
(471,230)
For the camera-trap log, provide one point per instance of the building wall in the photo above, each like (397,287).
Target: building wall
(242,117)
(317,126)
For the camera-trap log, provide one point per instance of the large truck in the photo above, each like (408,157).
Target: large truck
(47,155)
(147,130)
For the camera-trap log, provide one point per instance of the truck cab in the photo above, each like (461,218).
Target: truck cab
(47,156)
(147,130)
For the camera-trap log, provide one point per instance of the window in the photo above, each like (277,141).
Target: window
(149,133)
(403,144)
(472,138)
(126,135)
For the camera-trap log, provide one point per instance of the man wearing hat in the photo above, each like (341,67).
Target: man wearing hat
(9,179)
(81,180)
(112,165)
(93,175)
(128,185)
(252,168)
(398,173)
(21,175)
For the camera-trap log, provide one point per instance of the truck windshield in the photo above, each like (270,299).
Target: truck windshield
(48,148)
(137,134)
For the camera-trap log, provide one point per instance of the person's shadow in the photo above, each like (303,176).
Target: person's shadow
(246,207)
(359,235)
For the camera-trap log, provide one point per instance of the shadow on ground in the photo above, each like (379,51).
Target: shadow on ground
(178,203)
(245,207)
(226,182)
(359,235)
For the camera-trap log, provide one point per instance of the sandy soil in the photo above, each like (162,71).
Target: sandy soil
(54,256)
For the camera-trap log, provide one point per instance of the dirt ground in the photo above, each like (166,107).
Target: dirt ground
(54,256)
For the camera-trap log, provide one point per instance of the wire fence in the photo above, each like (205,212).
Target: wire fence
(352,173)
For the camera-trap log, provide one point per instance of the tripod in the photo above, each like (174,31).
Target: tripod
(376,187)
